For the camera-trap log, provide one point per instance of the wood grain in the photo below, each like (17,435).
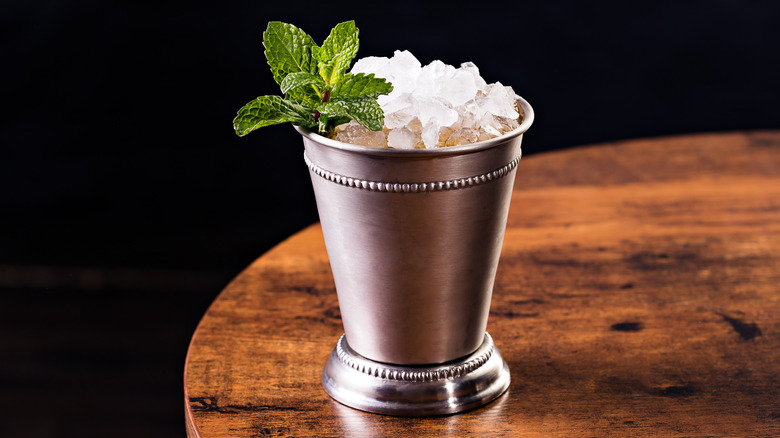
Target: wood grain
(637,295)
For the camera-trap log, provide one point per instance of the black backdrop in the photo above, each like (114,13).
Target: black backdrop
(128,202)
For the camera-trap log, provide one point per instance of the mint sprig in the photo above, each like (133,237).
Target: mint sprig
(318,92)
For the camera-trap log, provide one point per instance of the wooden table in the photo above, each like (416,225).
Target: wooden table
(638,295)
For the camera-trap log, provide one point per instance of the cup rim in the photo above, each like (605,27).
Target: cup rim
(528,119)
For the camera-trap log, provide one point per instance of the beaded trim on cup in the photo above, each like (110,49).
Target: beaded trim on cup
(379,186)
(352,360)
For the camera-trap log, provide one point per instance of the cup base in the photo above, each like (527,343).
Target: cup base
(427,390)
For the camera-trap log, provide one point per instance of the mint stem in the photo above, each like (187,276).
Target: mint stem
(325,98)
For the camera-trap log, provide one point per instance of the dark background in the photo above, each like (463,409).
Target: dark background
(128,203)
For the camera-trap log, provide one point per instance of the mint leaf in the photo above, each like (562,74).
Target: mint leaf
(337,52)
(301,79)
(269,110)
(288,50)
(365,111)
(318,93)
(361,85)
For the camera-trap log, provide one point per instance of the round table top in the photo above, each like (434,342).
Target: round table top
(637,295)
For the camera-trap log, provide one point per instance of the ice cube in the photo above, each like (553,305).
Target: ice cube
(469,114)
(403,138)
(500,102)
(435,136)
(459,88)
(472,69)
(404,64)
(355,133)
(508,124)
(402,70)
(492,126)
(436,112)
(430,136)
(400,102)
(398,119)
(370,64)
(438,70)
(462,136)
(426,85)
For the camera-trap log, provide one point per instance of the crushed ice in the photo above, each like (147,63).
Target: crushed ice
(434,105)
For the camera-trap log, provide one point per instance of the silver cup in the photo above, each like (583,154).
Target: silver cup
(413,238)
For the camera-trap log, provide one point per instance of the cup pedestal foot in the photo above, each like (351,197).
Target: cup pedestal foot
(415,390)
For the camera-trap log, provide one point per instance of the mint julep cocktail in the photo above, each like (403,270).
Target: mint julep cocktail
(413,212)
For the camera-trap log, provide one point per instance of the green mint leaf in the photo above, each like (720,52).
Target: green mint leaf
(288,50)
(301,79)
(270,110)
(361,85)
(337,52)
(365,111)
(318,91)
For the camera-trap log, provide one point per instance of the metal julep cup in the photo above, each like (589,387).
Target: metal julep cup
(414,238)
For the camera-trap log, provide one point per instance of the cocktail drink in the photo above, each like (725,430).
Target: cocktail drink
(413,212)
